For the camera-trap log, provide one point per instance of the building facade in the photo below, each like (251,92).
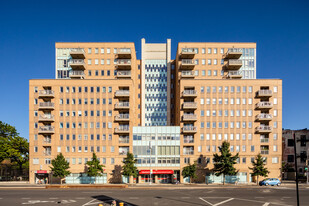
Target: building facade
(105,100)
(302,148)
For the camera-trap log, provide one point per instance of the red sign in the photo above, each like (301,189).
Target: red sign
(41,171)
(147,172)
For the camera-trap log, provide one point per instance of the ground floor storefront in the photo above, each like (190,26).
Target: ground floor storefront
(158,176)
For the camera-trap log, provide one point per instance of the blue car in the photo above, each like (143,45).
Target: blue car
(270,181)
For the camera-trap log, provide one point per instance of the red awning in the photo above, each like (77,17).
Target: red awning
(41,171)
(146,172)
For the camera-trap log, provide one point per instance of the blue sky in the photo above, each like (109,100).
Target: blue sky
(29,30)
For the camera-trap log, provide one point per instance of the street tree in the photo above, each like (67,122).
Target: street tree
(12,146)
(60,167)
(189,171)
(94,167)
(225,161)
(259,168)
(129,169)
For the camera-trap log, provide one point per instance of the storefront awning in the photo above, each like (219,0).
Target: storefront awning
(146,172)
(41,171)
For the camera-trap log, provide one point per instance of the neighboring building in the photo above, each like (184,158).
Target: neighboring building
(302,148)
(106,101)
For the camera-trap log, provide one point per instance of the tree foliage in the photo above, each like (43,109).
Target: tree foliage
(259,168)
(94,167)
(129,168)
(189,171)
(225,161)
(60,167)
(12,146)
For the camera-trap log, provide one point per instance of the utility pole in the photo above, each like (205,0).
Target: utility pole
(150,162)
(296,170)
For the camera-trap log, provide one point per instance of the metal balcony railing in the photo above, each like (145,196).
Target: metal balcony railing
(189,129)
(124,140)
(124,74)
(46,105)
(185,140)
(264,140)
(122,105)
(124,62)
(265,152)
(189,50)
(46,93)
(46,129)
(124,51)
(46,118)
(189,117)
(189,105)
(264,105)
(77,73)
(76,61)
(122,117)
(189,92)
(264,92)
(122,93)
(264,116)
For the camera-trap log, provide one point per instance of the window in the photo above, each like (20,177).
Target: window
(108,50)
(275,89)
(275,101)
(112,161)
(290,158)
(89,61)
(275,160)
(35,161)
(221,51)
(89,50)
(102,50)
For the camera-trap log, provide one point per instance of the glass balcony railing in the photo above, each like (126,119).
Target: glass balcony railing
(46,93)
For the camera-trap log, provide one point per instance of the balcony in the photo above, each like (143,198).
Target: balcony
(122,117)
(124,74)
(46,118)
(264,93)
(122,105)
(122,130)
(187,74)
(264,105)
(123,150)
(188,52)
(188,140)
(46,130)
(46,94)
(263,129)
(264,152)
(122,93)
(188,150)
(235,74)
(264,140)
(233,53)
(189,117)
(263,117)
(47,141)
(77,53)
(77,64)
(189,93)
(124,53)
(123,64)
(47,153)
(46,106)
(124,140)
(233,64)
(77,74)
(189,105)
(189,129)
(187,64)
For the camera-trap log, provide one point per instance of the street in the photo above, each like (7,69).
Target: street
(215,196)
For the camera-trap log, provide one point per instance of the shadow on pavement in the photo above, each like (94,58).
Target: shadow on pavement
(178,200)
(108,200)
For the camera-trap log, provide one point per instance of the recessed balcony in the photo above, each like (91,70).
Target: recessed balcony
(46,118)
(122,117)
(46,130)
(233,64)
(188,52)
(122,93)
(124,53)
(122,105)
(124,74)
(189,129)
(46,94)
(189,93)
(77,64)
(263,129)
(264,105)
(122,130)
(77,74)
(189,117)
(77,53)
(123,64)
(264,93)
(46,105)
(235,74)
(233,53)
(263,117)
(187,64)
(187,74)
(189,105)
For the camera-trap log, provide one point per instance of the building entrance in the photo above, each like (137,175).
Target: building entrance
(165,178)
(147,179)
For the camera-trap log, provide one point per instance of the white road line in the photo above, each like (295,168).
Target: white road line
(220,203)
(53,198)
(206,201)
(266,204)
(91,202)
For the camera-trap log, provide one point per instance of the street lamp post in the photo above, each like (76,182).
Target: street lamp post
(150,161)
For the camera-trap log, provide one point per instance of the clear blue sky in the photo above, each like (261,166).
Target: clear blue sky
(29,30)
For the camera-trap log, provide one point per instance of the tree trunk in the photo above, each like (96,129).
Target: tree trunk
(20,168)
(223,179)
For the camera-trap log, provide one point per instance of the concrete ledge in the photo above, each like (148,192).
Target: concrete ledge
(119,186)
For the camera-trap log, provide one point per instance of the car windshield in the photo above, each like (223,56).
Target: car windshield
(266,179)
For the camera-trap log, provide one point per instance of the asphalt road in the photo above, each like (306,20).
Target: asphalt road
(263,196)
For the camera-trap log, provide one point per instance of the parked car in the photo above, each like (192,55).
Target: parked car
(270,181)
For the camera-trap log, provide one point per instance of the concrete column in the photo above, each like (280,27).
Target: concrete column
(131,179)
(181,179)
(139,178)
(156,179)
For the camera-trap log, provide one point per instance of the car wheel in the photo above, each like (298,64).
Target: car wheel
(278,184)
(266,184)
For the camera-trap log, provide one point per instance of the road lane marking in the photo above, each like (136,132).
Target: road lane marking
(206,201)
(220,203)
(266,204)
(53,198)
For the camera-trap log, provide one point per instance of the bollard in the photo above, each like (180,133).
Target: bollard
(121,204)
(100,205)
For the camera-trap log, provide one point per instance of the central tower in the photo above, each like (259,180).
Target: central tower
(156,84)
